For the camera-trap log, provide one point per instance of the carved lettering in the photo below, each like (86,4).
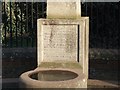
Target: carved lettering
(59,42)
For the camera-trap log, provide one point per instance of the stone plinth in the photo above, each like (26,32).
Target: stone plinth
(63,40)
(63,9)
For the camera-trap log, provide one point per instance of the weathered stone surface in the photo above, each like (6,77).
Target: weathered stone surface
(63,39)
(79,82)
(63,36)
(63,9)
(59,42)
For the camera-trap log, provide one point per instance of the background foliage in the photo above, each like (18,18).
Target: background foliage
(20,23)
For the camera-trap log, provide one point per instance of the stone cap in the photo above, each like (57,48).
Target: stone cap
(64,9)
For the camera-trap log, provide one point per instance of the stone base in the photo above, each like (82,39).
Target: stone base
(27,82)
(78,82)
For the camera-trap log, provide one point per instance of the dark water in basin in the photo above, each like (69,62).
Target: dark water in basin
(54,75)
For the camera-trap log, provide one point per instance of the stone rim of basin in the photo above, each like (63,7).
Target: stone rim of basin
(54,75)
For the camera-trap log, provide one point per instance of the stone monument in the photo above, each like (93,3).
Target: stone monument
(64,35)
(62,48)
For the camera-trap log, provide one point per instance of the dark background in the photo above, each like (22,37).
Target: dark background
(104,24)
(21,30)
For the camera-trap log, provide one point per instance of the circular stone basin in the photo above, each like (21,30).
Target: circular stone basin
(53,75)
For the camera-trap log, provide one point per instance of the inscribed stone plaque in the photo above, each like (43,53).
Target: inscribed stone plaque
(59,42)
